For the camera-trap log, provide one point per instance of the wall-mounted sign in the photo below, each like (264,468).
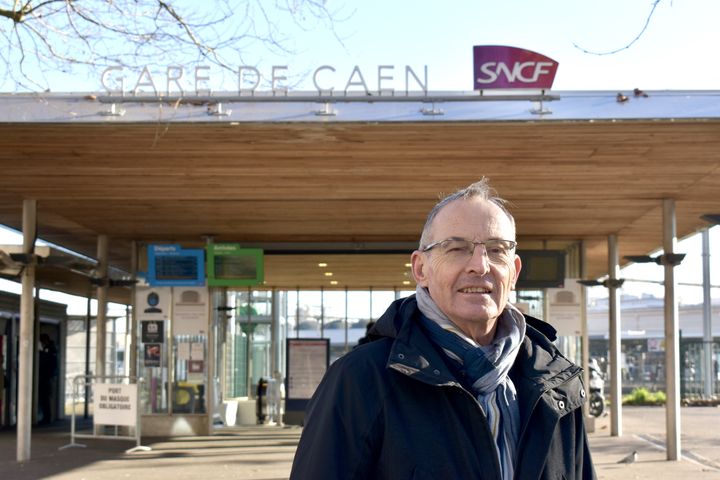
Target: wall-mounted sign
(229,265)
(190,310)
(172,265)
(152,331)
(152,303)
(564,308)
(498,66)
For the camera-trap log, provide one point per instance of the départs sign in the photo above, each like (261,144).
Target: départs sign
(497,66)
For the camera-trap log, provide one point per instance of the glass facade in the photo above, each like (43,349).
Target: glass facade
(246,338)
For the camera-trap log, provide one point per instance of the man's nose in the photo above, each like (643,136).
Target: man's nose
(479,261)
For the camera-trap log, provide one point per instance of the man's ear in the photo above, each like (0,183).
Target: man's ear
(518,267)
(419,264)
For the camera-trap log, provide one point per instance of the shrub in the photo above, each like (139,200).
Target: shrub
(643,396)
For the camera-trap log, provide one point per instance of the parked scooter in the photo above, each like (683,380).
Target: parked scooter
(597,389)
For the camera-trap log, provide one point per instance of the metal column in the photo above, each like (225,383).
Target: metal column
(133,348)
(614,313)
(275,365)
(672,344)
(88,329)
(585,337)
(27,326)
(101,315)
(707,318)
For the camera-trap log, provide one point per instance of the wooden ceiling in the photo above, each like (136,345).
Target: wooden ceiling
(361,184)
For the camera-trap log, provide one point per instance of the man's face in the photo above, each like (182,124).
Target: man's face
(472,292)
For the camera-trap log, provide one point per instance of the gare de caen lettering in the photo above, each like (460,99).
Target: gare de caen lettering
(199,79)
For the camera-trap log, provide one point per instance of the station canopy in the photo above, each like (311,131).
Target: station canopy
(349,183)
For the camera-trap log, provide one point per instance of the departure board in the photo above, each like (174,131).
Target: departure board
(541,269)
(179,267)
(172,265)
(230,265)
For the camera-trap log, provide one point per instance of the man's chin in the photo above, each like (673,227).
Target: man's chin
(476,316)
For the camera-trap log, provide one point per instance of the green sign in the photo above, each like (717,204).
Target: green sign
(229,265)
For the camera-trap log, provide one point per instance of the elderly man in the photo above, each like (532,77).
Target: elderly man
(457,383)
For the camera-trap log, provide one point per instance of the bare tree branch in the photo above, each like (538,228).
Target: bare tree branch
(611,52)
(44,36)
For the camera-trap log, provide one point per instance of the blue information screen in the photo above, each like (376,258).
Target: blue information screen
(172,265)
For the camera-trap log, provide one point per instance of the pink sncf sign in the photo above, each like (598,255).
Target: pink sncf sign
(497,66)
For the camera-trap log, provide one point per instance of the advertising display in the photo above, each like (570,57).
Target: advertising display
(307,361)
(152,354)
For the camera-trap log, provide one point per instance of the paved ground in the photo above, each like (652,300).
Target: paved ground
(265,453)
(644,430)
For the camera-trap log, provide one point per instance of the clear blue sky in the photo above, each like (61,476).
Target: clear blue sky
(677,50)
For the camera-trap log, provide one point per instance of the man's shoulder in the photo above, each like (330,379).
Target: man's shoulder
(372,354)
(540,327)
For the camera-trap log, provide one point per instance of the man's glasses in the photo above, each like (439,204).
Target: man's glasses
(458,249)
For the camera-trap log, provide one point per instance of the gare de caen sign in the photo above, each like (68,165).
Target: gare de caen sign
(175,80)
(494,67)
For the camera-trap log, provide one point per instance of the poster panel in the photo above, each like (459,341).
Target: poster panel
(190,310)
(307,361)
(564,308)
(152,331)
(152,354)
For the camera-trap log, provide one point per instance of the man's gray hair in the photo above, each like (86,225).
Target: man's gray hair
(480,189)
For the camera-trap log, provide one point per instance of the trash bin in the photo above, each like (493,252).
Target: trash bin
(261,401)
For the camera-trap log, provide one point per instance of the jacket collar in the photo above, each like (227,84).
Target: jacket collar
(539,365)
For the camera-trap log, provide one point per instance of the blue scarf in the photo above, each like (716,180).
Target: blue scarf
(487,367)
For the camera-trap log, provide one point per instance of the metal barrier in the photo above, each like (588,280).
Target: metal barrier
(112,400)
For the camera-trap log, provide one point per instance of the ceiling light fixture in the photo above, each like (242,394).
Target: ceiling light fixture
(328,274)
(322,264)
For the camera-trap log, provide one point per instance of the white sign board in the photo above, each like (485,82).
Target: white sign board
(114,404)
(190,310)
(564,309)
(152,303)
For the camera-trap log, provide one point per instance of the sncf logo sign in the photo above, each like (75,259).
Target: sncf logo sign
(509,67)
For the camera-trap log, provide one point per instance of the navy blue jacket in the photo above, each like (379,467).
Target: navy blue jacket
(391,409)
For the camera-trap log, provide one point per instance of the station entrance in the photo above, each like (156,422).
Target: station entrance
(49,347)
